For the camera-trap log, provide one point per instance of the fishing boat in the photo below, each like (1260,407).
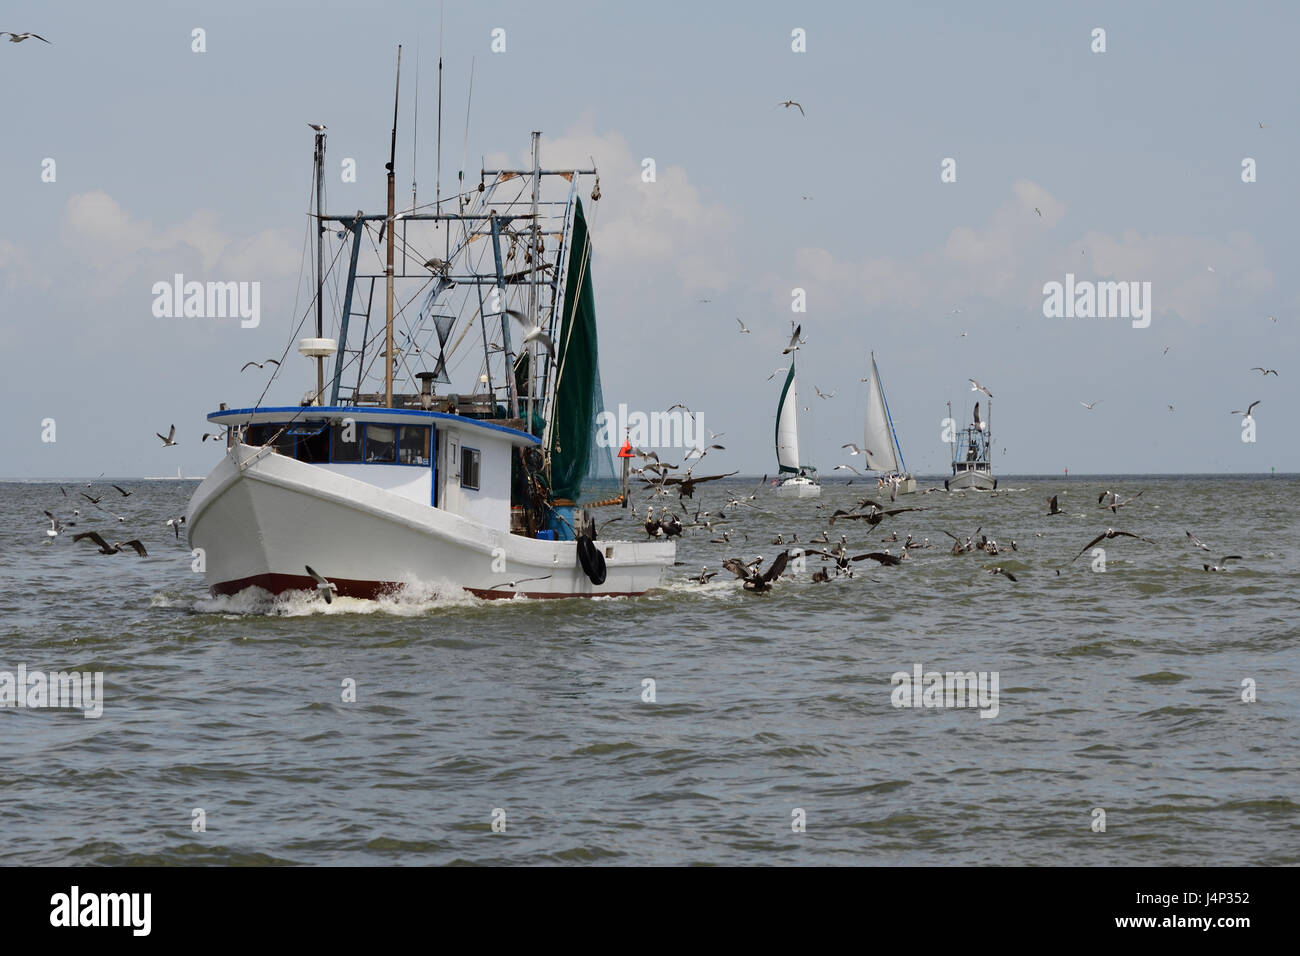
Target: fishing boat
(883,453)
(800,481)
(391,473)
(971,456)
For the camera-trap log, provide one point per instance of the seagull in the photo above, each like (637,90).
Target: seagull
(743,330)
(1039,211)
(848,468)
(977,387)
(175,525)
(789,103)
(1166,351)
(1220,566)
(537,335)
(1249,408)
(56,526)
(1089,405)
(1002,571)
(318,127)
(821,394)
(20,37)
(979,425)
(269,361)
(1106,535)
(1196,542)
(326,588)
(794,341)
(170,439)
(125,493)
(1266,371)
(1052,507)
(855,450)
(754,580)
(512,585)
(1115,502)
(777,371)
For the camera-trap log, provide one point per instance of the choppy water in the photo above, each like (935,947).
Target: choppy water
(1118,690)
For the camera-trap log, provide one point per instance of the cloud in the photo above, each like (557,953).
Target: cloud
(639,227)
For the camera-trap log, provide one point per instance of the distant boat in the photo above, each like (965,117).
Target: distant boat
(801,480)
(883,453)
(177,477)
(971,466)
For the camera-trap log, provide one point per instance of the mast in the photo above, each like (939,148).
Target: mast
(320,259)
(388,270)
(954,438)
(532,287)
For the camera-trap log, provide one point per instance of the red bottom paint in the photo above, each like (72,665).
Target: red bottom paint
(371,590)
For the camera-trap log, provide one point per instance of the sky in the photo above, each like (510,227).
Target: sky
(1117,166)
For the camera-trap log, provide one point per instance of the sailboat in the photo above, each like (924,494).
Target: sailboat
(971,459)
(800,480)
(363,490)
(883,453)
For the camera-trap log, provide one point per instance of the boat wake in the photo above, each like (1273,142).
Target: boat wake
(412,599)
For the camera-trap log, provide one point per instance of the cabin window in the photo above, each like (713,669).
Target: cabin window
(347,442)
(413,445)
(313,443)
(275,435)
(381,444)
(469,468)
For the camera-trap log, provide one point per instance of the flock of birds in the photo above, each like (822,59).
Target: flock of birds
(59,525)
(759,574)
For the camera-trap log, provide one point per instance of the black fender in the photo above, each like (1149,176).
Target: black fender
(591,559)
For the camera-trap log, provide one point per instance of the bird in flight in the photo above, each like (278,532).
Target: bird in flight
(327,589)
(1196,542)
(754,579)
(1039,211)
(170,438)
(1266,371)
(777,371)
(1053,509)
(124,492)
(115,547)
(20,37)
(821,394)
(743,330)
(854,449)
(1089,405)
(1222,565)
(1107,535)
(789,103)
(1002,571)
(977,387)
(1249,408)
(269,361)
(794,341)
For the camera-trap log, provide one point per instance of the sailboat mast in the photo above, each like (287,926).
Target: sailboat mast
(320,259)
(533,351)
(388,269)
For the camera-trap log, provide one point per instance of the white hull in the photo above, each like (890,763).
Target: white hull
(978,480)
(262,524)
(797,488)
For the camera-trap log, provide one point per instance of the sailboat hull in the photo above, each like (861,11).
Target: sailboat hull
(797,488)
(261,519)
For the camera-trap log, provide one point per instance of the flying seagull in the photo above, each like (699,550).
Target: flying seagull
(1115,501)
(821,394)
(269,361)
(1002,571)
(170,439)
(93,501)
(20,37)
(1249,408)
(855,450)
(979,425)
(1266,371)
(175,525)
(794,341)
(777,371)
(1052,507)
(1089,405)
(125,493)
(1039,211)
(327,589)
(789,103)
(514,585)
(1221,565)
(744,331)
(848,468)
(977,387)
(1196,542)
(1106,536)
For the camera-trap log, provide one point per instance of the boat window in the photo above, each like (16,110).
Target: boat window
(381,444)
(313,443)
(469,466)
(257,435)
(347,441)
(274,434)
(413,445)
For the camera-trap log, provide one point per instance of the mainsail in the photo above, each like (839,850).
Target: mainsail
(881,445)
(787,426)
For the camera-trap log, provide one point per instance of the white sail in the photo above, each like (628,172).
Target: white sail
(881,454)
(787,425)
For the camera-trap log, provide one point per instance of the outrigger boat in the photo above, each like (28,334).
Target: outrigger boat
(883,453)
(800,480)
(971,455)
(363,492)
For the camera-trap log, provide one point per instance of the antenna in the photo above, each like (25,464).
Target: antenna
(446,254)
